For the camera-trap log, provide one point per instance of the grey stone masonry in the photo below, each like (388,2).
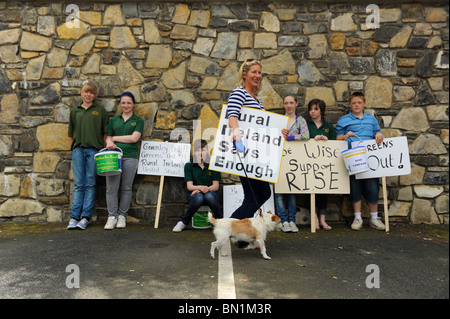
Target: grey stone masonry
(181,60)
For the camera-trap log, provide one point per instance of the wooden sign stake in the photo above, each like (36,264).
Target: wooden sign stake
(158,207)
(386,210)
(313,213)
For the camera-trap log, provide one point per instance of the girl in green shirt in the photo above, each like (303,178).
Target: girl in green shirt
(124,131)
(202,185)
(319,129)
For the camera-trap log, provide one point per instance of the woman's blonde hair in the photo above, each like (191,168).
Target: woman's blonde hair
(245,67)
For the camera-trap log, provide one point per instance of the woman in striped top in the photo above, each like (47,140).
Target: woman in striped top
(245,95)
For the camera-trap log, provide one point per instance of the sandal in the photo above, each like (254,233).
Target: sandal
(326,227)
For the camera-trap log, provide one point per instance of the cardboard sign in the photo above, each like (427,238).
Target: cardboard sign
(389,158)
(313,167)
(233,195)
(263,141)
(163,159)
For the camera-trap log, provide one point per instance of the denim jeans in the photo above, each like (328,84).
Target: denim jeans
(124,181)
(199,199)
(261,191)
(281,208)
(85,180)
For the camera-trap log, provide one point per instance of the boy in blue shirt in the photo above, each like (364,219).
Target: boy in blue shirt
(352,127)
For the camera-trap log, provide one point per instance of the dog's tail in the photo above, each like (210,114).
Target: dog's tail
(211,218)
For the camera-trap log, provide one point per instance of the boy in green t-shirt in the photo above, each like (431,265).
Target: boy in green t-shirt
(87,126)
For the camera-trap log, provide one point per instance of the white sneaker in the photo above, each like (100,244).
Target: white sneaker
(72,224)
(121,223)
(294,228)
(286,228)
(357,224)
(82,224)
(377,224)
(178,227)
(111,223)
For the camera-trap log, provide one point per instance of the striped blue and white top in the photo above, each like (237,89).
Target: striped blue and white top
(238,98)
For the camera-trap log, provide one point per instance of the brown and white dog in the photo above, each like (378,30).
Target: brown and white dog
(252,230)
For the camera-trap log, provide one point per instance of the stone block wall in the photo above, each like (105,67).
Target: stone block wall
(180,59)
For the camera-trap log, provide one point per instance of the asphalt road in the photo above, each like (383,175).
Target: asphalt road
(139,262)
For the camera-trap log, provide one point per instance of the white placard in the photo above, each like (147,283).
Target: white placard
(163,158)
(389,158)
(262,138)
(313,167)
(233,195)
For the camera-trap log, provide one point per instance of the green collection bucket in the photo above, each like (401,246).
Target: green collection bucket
(200,218)
(109,162)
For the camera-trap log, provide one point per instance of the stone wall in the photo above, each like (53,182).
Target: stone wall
(181,61)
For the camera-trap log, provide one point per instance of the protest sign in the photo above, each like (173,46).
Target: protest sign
(311,166)
(163,159)
(263,141)
(233,195)
(389,158)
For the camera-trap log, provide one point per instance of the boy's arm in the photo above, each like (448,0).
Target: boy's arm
(340,131)
(379,137)
(378,134)
(345,136)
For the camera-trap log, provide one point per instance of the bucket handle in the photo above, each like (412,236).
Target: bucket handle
(360,140)
(105,149)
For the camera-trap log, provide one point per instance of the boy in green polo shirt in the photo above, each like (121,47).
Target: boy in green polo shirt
(87,126)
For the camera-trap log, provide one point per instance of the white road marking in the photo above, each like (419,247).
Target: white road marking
(226,288)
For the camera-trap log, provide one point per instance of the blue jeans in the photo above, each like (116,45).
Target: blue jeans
(281,208)
(199,199)
(85,180)
(262,192)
